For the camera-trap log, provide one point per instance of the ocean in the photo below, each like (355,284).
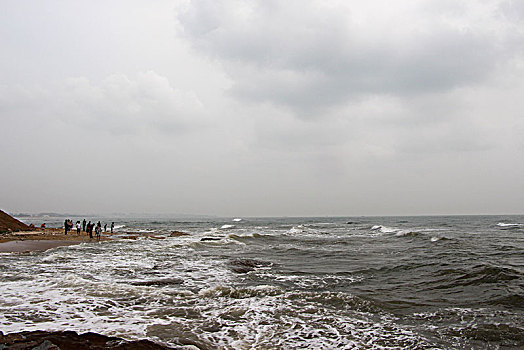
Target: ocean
(436,282)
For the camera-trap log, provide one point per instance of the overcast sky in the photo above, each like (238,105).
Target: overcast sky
(262,107)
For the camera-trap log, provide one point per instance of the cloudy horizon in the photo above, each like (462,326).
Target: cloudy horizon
(262,108)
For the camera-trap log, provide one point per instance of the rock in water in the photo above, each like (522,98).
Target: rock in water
(246,265)
(159,282)
(69,340)
(178,234)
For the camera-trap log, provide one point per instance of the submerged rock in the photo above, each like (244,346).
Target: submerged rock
(159,282)
(69,340)
(246,265)
(178,234)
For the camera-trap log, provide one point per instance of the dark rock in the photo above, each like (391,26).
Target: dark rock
(209,239)
(160,282)
(178,234)
(69,340)
(246,265)
(46,345)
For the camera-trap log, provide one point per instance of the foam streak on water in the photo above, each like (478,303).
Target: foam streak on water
(299,283)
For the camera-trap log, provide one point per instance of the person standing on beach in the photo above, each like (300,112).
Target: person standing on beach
(43,228)
(66,226)
(90,230)
(98,231)
(78,227)
(105,227)
(84,225)
(112,226)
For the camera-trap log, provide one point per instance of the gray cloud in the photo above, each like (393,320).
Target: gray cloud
(118,104)
(121,105)
(323,56)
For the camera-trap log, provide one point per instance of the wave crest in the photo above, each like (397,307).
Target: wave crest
(508,336)
(240,293)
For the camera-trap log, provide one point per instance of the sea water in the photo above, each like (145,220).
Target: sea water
(454,282)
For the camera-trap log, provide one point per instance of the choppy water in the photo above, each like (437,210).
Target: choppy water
(283,283)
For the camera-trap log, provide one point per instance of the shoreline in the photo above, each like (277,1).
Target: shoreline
(28,241)
(33,245)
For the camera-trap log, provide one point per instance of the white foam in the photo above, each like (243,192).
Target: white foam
(276,320)
(296,229)
(55,257)
(312,281)
(402,233)
(91,287)
(502,224)
(227,226)
(237,219)
(386,229)
(246,235)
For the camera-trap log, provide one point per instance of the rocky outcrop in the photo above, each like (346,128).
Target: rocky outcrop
(69,340)
(10,224)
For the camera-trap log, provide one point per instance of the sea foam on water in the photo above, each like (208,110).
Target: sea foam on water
(377,283)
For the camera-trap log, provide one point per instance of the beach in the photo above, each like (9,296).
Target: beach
(17,236)
(36,240)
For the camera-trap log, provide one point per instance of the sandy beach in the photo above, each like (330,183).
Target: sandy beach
(25,241)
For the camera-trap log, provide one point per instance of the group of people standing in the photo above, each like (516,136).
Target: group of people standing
(68,226)
(87,227)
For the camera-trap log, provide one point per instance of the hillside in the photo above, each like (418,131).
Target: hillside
(9,223)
